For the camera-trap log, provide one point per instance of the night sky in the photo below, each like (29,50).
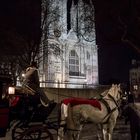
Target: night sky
(22,17)
(115,55)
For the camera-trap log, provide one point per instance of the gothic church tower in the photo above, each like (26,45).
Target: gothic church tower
(68,44)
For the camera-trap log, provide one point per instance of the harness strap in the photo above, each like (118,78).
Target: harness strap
(110,111)
(117,105)
(108,115)
(113,100)
(106,104)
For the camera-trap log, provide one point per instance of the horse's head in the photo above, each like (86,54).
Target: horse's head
(116,92)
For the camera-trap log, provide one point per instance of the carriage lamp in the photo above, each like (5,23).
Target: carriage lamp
(11,90)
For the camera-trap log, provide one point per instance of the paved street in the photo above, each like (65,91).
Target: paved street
(89,132)
(121,132)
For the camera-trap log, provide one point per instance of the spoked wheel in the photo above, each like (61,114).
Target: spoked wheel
(35,132)
(17,133)
(18,129)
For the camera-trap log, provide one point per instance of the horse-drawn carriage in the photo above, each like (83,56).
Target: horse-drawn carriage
(28,118)
(22,113)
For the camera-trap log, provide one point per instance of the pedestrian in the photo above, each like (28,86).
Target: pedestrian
(130,97)
(31,82)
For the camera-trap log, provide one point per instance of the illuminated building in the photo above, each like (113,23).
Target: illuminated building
(68,44)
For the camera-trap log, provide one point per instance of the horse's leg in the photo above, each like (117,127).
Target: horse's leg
(71,128)
(99,128)
(108,130)
(60,135)
(79,132)
(73,133)
(111,126)
(104,131)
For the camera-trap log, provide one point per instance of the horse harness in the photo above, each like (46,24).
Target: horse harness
(110,111)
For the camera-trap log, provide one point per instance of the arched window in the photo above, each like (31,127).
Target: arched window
(73,63)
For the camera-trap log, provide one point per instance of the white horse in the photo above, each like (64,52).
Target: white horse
(85,112)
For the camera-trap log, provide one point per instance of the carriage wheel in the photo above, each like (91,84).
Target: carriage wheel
(33,133)
(17,132)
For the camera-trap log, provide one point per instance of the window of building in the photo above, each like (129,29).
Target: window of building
(73,63)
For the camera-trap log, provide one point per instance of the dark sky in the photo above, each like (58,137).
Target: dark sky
(115,55)
(19,19)
(20,14)
(22,17)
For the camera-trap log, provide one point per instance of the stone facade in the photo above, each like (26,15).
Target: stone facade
(68,38)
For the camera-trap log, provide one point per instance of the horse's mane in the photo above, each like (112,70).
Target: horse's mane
(108,91)
(104,93)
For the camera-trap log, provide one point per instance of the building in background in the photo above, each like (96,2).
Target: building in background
(68,46)
(135,79)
